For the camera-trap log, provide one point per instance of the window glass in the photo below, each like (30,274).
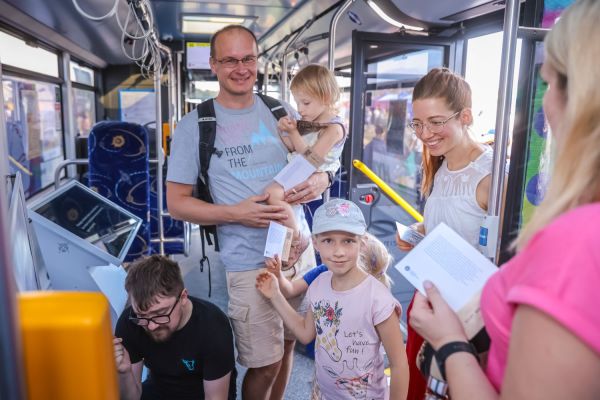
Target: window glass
(81,74)
(483,74)
(84,110)
(18,53)
(34,130)
(390,149)
(201,90)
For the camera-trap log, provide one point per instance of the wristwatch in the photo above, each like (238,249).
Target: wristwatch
(436,389)
(450,348)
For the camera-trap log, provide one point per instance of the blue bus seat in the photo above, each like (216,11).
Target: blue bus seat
(119,170)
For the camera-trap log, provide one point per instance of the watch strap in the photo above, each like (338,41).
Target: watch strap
(450,348)
(437,388)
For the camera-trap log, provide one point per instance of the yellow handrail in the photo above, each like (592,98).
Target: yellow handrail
(20,166)
(387,189)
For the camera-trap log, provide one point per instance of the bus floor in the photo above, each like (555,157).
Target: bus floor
(300,384)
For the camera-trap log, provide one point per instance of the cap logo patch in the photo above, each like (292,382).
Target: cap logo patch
(342,209)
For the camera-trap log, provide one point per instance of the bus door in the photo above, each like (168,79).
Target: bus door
(385,68)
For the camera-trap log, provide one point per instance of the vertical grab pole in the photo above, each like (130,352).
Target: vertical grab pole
(509,44)
(332,30)
(12,382)
(283,89)
(70,129)
(170,85)
(178,107)
(267,63)
(331,57)
(159,154)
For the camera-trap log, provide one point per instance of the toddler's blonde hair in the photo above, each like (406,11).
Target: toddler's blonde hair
(319,82)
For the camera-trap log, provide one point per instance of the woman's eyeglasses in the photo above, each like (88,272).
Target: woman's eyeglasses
(432,126)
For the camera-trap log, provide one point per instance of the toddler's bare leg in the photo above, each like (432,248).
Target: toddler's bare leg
(276,195)
(299,242)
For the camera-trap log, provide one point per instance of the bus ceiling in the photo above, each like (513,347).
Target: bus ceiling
(98,42)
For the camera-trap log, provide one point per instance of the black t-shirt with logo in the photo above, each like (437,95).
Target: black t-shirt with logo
(201,350)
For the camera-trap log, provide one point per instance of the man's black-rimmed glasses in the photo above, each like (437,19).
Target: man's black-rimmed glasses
(157,319)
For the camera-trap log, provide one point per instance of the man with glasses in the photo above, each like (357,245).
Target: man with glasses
(249,153)
(186,343)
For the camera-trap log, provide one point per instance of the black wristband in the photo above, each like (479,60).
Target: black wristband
(330,177)
(450,348)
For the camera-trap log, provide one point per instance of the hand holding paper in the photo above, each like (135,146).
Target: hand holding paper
(279,241)
(433,319)
(408,234)
(455,267)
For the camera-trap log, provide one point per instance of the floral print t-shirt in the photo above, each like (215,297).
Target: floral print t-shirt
(348,352)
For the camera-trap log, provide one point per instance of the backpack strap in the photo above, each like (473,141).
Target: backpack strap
(207,130)
(277,109)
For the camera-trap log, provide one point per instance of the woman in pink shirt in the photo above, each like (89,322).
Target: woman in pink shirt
(542,309)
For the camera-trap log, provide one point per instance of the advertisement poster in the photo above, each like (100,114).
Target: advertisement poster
(137,105)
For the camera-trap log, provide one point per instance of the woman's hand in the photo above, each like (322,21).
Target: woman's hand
(405,246)
(434,320)
(308,190)
(402,245)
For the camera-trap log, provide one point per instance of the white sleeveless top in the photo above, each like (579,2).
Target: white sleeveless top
(453,199)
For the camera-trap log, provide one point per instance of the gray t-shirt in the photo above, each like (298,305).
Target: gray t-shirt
(252,154)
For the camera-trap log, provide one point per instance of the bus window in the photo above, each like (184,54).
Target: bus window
(34,129)
(18,53)
(84,110)
(483,74)
(81,74)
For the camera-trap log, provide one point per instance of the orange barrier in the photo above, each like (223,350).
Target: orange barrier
(67,346)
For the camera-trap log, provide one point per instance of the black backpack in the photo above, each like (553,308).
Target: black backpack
(207,128)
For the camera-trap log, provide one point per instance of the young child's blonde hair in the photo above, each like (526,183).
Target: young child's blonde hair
(375,259)
(319,82)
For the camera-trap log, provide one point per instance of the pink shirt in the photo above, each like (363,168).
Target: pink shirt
(348,356)
(557,273)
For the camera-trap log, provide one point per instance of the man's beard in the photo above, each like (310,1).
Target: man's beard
(163,335)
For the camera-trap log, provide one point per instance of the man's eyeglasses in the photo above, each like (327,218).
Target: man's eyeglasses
(232,62)
(432,126)
(157,319)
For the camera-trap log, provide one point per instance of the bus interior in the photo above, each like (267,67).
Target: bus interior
(71,68)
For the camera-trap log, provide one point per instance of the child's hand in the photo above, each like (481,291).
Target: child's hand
(287,124)
(274,266)
(267,284)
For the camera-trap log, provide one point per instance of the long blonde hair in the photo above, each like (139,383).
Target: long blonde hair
(375,259)
(575,178)
(443,84)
